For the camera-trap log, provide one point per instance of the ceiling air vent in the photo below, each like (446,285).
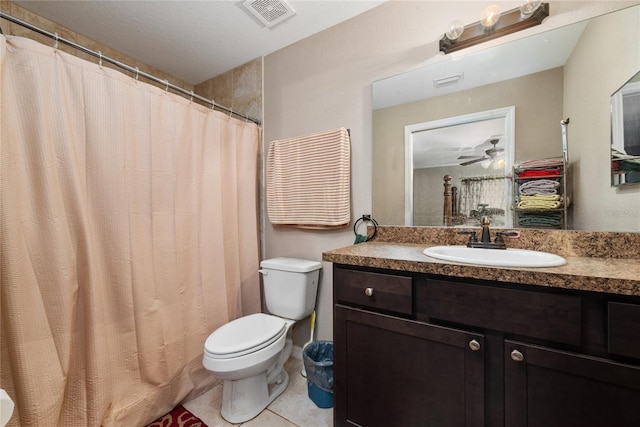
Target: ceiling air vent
(269,12)
(447,81)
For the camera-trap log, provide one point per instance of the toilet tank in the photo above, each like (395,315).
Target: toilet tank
(290,286)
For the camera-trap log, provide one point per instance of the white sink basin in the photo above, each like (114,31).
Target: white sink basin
(495,257)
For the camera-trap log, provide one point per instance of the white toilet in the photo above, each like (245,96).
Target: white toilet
(249,353)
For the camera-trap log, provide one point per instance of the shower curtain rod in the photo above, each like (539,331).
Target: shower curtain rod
(485,178)
(129,68)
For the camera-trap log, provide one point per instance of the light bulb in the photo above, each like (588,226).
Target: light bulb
(455,30)
(490,16)
(498,163)
(527,7)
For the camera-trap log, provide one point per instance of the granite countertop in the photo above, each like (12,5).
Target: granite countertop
(609,275)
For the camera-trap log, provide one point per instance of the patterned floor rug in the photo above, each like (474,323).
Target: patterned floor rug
(178,417)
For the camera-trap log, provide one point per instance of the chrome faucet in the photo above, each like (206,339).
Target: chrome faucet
(485,239)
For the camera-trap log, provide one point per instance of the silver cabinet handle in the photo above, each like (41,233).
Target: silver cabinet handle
(474,345)
(517,356)
(368,292)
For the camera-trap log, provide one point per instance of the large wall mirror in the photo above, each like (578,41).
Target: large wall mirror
(569,72)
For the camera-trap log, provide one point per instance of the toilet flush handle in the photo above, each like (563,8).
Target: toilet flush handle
(265,272)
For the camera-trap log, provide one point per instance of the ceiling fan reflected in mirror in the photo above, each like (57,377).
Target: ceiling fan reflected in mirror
(493,155)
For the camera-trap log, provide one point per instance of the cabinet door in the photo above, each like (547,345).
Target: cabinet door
(547,388)
(398,372)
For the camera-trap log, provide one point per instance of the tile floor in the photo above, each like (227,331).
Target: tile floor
(292,408)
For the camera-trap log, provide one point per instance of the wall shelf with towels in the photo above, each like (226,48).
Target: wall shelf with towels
(541,193)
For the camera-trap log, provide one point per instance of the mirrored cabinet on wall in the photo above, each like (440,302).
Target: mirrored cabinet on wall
(541,194)
(625,134)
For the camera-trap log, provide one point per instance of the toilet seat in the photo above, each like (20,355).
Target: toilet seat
(244,335)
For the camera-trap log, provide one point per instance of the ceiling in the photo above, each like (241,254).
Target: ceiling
(193,40)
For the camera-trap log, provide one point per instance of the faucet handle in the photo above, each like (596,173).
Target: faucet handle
(484,221)
(472,236)
(508,233)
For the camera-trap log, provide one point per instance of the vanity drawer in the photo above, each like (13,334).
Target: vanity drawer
(540,315)
(624,329)
(379,291)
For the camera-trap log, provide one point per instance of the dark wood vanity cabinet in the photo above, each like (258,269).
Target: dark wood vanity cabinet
(398,372)
(419,350)
(550,388)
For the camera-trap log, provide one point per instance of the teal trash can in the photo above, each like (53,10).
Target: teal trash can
(318,364)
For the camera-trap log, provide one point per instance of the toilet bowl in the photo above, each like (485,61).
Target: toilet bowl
(249,353)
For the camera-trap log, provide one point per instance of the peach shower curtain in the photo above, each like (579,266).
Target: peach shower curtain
(128,234)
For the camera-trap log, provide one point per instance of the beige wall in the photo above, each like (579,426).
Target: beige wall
(538,102)
(324,82)
(239,89)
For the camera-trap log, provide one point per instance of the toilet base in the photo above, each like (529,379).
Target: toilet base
(246,398)
(248,391)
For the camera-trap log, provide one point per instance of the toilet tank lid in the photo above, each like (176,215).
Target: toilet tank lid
(291,264)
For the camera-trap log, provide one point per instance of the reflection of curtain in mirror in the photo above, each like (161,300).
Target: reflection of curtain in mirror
(488,191)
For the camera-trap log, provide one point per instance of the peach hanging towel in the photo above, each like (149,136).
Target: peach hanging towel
(309,181)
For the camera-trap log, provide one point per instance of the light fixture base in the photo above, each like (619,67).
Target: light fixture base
(510,22)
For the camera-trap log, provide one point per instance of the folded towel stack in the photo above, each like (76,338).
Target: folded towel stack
(540,193)
(630,165)
(552,220)
(539,186)
(623,161)
(534,173)
(540,163)
(540,202)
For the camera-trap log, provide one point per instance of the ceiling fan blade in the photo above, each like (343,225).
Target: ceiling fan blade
(494,151)
(482,146)
(468,157)
(454,148)
(470,162)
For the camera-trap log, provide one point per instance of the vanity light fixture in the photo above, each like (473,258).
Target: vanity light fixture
(490,17)
(527,7)
(494,24)
(455,30)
